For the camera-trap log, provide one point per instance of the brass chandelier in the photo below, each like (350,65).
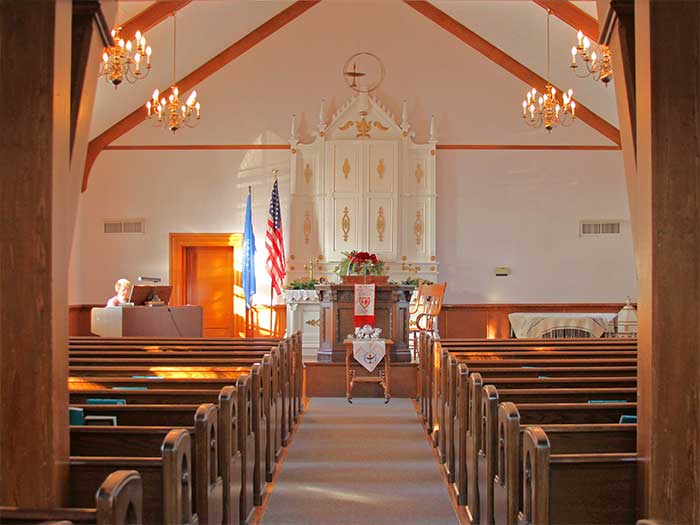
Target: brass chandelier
(597,61)
(170,112)
(125,60)
(547,109)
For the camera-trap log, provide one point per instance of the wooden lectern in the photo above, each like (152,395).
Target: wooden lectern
(337,319)
(147,321)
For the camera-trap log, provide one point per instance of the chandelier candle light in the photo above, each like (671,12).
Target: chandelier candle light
(598,63)
(546,109)
(171,112)
(123,60)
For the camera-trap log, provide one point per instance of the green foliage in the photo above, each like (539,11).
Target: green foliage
(415,281)
(302,284)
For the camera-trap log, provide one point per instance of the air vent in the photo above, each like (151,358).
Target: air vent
(124,225)
(600,228)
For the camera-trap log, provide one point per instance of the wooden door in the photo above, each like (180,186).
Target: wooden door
(209,281)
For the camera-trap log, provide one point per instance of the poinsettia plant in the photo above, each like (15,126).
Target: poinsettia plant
(360,263)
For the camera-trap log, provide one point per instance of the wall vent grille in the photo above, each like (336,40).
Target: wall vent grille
(124,226)
(588,228)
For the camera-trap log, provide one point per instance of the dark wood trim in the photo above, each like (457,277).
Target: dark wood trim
(508,63)
(224,147)
(572,15)
(151,17)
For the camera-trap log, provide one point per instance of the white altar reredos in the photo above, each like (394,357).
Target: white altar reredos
(363,184)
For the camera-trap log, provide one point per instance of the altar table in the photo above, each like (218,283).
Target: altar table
(351,377)
(537,325)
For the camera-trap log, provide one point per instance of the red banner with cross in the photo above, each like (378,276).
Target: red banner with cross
(364,304)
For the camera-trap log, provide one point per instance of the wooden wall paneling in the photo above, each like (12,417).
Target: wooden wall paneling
(491,320)
(668,203)
(33,264)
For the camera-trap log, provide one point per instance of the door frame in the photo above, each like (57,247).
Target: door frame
(179,242)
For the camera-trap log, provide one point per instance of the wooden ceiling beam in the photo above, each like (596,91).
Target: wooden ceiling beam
(151,17)
(508,63)
(228,55)
(573,15)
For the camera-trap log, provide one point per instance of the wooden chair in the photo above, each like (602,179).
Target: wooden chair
(425,311)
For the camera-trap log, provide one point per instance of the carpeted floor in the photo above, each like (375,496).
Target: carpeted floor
(367,463)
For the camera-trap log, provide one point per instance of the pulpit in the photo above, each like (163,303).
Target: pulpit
(391,315)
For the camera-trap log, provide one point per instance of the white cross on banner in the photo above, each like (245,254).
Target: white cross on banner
(369,353)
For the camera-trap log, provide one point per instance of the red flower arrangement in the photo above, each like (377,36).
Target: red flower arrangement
(360,263)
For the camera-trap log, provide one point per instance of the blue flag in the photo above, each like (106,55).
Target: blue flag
(248,256)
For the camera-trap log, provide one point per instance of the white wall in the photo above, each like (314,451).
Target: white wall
(513,208)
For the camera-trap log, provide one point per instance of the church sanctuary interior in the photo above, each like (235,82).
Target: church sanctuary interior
(350,262)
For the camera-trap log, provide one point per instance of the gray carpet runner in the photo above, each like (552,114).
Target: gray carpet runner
(366,463)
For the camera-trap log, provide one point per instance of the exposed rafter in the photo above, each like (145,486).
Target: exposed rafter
(151,16)
(572,15)
(197,76)
(508,63)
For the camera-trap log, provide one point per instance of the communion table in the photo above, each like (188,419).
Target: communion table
(391,315)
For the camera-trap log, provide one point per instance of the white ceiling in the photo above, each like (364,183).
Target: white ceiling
(340,27)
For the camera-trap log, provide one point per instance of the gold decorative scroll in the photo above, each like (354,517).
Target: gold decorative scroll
(307,174)
(307,226)
(381,126)
(346,168)
(347,125)
(345,223)
(419,173)
(380,224)
(314,322)
(418,228)
(363,128)
(381,168)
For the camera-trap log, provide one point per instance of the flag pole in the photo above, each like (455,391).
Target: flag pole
(272,289)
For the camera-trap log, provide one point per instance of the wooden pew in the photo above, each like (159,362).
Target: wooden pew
(270,420)
(119,501)
(282,376)
(167,480)
(491,442)
(475,418)
(181,416)
(576,488)
(503,498)
(448,411)
(144,441)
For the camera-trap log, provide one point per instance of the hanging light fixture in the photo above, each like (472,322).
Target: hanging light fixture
(170,112)
(125,60)
(597,60)
(547,109)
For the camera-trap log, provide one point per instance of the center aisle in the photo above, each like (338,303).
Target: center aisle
(365,463)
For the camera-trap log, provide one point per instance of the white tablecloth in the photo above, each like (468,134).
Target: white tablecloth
(536,325)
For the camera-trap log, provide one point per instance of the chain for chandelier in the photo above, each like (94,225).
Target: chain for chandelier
(547,110)
(171,113)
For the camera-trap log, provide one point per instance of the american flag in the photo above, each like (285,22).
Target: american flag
(276,263)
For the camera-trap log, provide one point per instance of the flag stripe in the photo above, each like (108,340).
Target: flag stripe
(276,264)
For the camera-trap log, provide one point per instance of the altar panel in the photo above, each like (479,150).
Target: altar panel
(337,319)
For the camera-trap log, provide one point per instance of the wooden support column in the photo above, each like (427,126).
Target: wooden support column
(668,226)
(35,38)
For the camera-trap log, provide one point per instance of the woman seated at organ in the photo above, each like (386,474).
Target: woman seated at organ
(123,288)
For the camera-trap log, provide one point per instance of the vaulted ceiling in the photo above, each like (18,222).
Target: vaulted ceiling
(483,95)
